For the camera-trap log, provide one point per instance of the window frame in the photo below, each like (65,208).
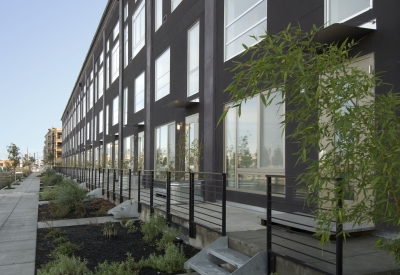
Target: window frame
(140,11)
(115,117)
(172,4)
(169,157)
(115,62)
(156,78)
(327,13)
(137,94)
(197,69)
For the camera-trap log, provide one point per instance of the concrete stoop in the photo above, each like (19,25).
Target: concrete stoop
(96,193)
(127,209)
(219,259)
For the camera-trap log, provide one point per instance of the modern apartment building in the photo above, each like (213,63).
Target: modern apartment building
(53,146)
(157,69)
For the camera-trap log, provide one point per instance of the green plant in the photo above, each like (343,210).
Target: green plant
(13,157)
(48,194)
(153,227)
(58,210)
(55,233)
(172,260)
(61,240)
(129,225)
(63,265)
(109,229)
(124,268)
(168,236)
(66,249)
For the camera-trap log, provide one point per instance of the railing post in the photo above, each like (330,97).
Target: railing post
(121,199)
(130,183)
(108,183)
(339,229)
(169,197)
(192,228)
(151,192)
(114,175)
(269,229)
(223,204)
(139,204)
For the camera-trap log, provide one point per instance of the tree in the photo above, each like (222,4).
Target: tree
(50,158)
(13,157)
(28,161)
(347,135)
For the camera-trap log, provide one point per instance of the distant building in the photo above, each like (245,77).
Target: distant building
(53,146)
(3,164)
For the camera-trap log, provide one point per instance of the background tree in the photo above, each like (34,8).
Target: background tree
(342,128)
(13,157)
(28,161)
(50,158)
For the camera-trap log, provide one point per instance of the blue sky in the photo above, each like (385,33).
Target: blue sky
(43,45)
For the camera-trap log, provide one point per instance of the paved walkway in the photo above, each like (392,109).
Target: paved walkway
(18,227)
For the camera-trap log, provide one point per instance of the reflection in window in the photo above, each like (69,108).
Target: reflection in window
(138,29)
(139,92)
(162,75)
(165,147)
(193,59)
(343,10)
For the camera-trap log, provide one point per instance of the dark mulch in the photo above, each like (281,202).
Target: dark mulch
(90,211)
(96,248)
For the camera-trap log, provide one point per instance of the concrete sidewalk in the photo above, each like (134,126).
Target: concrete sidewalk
(18,227)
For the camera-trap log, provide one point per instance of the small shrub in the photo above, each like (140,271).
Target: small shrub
(109,229)
(58,210)
(101,206)
(61,240)
(152,228)
(124,268)
(69,193)
(66,249)
(65,265)
(48,194)
(167,238)
(55,233)
(172,261)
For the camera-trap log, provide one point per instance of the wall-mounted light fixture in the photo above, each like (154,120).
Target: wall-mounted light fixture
(179,126)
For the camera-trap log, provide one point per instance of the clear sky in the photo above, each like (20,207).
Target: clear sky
(43,45)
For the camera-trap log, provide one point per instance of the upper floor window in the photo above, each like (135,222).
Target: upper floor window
(139,92)
(162,75)
(107,118)
(242,20)
(158,14)
(116,30)
(101,58)
(90,96)
(115,62)
(126,45)
(115,110)
(138,29)
(193,60)
(100,84)
(101,122)
(338,11)
(126,11)
(125,106)
(174,4)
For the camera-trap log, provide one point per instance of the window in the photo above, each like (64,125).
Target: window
(193,60)
(165,147)
(158,14)
(126,49)
(108,73)
(338,11)
(90,96)
(84,107)
(242,19)
(95,128)
(162,75)
(101,121)
(128,153)
(108,46)
(174,4)
(88,131)
(101,58)
(139,92)
(138,29)
(140,156)
(126,11)
(192,149)
(116,30)
(115,111)
(125,106)
(108,155)
(107,118)
(100,84)
(115,153)
(254,145)
(115,62)
(91,75)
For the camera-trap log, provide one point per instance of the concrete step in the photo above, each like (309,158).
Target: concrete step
(208,268)
(230,256)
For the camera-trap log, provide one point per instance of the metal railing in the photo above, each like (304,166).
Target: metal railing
(197,197)
(289,213)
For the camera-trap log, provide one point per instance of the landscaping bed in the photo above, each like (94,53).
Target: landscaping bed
(96,248)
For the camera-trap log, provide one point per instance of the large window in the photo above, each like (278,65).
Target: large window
(90,96)
(243,19)
(255,145)
(193,60)
(100,84)
(174,4)
(338,11)
(139,92)
(126,49)
(115,111)
(162,75)
(165,147)
(158,13)
(128,153)
(115,62)
(125,106)
(88,131)
(116,30)
(138,29)
(140,156)
(101,122)
(107,118)
(108,73)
